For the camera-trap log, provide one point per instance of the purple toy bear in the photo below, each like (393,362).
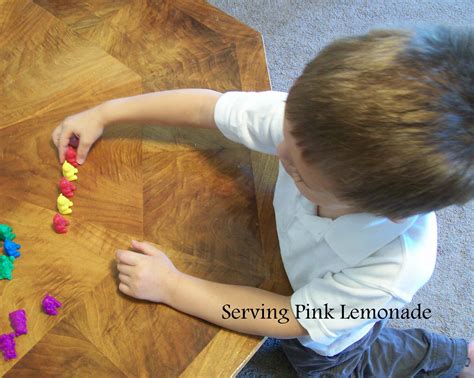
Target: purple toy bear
(18,322)
(7,346)
(50,305)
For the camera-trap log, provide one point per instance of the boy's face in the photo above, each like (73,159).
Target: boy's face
(309,180)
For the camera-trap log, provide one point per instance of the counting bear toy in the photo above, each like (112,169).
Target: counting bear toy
(69,171)
(11,248)
(51,304)
(67,188)
(74,141)
(6,232)
(18,322)
(64,205)
(7,346)
(6,267)
(60,224)
(71,156)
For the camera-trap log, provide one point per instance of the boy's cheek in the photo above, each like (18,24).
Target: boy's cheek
(286,166)
(281,151)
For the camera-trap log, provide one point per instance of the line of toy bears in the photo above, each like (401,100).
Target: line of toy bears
(66,187)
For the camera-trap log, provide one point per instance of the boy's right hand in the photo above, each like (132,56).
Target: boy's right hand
(88,126)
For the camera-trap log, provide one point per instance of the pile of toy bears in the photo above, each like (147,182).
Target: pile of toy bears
(18,317)
(18,323)
(11,250)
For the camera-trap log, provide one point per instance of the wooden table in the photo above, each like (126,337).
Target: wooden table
(206,201)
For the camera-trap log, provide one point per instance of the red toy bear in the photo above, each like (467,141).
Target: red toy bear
(60,224)
(71,156)
(67,188)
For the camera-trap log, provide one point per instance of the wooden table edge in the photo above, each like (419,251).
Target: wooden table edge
(240,347)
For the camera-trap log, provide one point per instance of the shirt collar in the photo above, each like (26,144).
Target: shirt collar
(353,237)
(356,236)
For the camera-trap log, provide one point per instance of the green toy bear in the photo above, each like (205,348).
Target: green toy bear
(6,267)
(6,232)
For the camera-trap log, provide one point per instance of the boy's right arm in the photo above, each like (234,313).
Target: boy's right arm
(180,107)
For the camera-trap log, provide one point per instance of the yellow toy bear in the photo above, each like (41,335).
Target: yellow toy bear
(64,205)
(69,171)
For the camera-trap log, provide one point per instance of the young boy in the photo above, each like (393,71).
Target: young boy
(373,137)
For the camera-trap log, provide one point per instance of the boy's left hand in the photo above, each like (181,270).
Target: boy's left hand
(148,275)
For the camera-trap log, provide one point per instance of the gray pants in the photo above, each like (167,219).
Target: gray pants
(384,352)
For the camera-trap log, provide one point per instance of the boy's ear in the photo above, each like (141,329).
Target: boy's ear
(397,220)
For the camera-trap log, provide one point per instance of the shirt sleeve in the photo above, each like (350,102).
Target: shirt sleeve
(254,119)
(387,279)
(336,295)
(323,306)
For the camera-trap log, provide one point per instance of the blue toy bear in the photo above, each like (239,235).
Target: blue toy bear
(11,248)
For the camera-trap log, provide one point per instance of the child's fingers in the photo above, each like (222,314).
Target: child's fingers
(124,279)
(124,288)
(83,150)
(125,269)
(55,136)
(145,247)
(127,257)
(63,142)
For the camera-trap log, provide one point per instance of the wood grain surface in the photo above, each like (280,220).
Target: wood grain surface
(204,200)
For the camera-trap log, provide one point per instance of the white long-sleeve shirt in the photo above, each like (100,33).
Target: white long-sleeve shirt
(361,261)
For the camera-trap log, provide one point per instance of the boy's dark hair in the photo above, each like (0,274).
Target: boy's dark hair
(388,117)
